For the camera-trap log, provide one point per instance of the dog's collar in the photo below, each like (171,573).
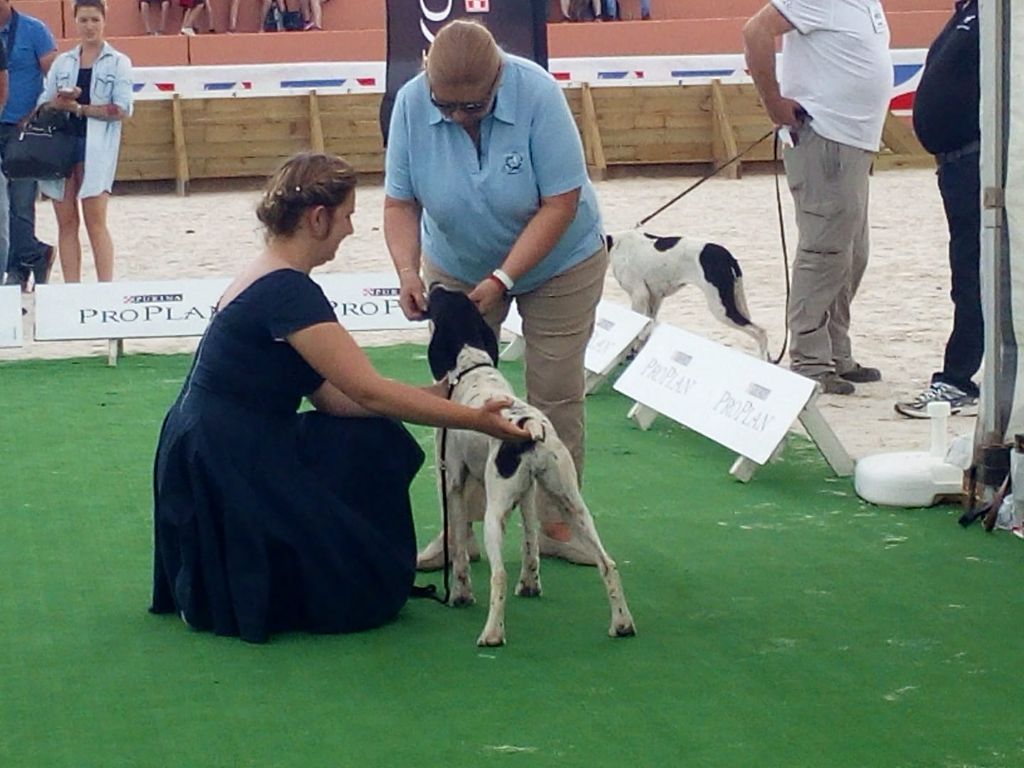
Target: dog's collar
(455,377)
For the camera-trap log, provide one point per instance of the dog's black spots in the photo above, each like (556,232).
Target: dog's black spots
(722,270)
(662,244)
(457,323)
(509,455)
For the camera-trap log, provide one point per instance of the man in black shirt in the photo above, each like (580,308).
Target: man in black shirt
(946,122)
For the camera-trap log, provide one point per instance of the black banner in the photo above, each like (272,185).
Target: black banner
(519,26)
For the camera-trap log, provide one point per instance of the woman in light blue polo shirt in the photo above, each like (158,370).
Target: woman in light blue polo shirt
(92,81)
(487,192)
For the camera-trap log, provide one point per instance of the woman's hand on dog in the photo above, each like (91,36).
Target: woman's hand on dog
(487,294)
(494,424)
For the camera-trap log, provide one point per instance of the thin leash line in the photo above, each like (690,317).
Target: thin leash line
(778,206)
(713,173)
(785,250)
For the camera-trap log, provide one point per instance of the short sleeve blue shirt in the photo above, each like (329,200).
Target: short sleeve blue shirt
(476,207)
(32,40)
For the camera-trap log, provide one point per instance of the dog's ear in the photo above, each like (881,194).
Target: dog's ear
(457,322)
(608,243)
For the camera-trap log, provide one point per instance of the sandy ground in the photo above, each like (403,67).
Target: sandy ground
(901,316)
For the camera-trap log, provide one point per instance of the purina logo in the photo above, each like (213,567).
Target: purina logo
(478,6)
(380,291)
(153,298)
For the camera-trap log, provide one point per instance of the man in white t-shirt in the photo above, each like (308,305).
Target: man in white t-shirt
(836,81)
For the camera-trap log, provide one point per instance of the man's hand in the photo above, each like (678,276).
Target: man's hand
(785,112)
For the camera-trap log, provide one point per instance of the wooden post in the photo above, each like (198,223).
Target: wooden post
(316,126)
(904,150)
(723,137)
(180,149)
(592,135)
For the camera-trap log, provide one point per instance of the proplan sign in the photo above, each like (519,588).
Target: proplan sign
(156,309)
(735,399)
(10,316)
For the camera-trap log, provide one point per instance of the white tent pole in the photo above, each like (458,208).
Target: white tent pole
(999,378)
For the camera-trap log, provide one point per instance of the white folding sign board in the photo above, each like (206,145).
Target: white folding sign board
(615,329)
(165,308)
(732,398)
(10,316)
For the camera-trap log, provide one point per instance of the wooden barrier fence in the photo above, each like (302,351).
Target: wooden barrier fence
(181,139)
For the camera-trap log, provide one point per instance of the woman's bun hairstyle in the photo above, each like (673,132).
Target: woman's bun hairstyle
(305,181)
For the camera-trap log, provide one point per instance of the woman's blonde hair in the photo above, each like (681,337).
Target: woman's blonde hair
(463,55)
(305,181)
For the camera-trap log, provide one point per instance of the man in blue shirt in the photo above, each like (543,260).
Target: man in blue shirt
(31,50)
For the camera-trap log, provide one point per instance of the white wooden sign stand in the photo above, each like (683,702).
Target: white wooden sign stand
(616,328)
(741,402)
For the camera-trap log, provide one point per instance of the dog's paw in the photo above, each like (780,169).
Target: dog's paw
(491,638)
(622,628)
(528,590)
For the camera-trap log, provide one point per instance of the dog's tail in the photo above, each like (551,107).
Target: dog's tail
(723,271)
(510,454)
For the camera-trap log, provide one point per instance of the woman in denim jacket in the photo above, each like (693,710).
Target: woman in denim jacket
(92,81)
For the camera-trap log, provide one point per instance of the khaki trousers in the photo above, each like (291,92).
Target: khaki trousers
(558,321)
(829,183)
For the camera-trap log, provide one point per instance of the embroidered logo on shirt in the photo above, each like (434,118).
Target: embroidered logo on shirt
(513,162)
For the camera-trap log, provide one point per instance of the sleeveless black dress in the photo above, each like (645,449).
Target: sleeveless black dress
(267,520)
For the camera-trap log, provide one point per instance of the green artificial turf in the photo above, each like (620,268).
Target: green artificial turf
(781,623)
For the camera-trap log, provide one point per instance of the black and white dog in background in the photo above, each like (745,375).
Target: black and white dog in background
(651,268)
(464,350)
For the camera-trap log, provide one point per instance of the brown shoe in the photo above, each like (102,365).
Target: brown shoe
(861,374)
(830,383)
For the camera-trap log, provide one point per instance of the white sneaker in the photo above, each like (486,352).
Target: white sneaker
(939,392)
(188,31)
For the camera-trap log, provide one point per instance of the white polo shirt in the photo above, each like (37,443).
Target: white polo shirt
(837,64)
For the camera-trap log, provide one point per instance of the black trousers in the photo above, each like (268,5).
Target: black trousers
(960,186)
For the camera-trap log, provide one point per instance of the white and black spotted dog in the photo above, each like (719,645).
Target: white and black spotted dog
(464,350)
(650,268)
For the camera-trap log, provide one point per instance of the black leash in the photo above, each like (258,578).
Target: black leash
(711,175)
(430,591)
(778,205)
(785,250)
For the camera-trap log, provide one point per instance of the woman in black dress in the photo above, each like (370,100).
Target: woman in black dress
(266,519)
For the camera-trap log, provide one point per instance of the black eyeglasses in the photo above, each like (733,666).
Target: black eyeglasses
(468,107)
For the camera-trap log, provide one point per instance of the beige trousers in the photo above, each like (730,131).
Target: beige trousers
(558,321)
(829,183)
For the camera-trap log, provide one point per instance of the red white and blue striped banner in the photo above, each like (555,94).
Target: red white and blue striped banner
(369,76)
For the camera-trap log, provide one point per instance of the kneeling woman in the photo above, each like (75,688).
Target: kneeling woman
(92,81)
(267,519)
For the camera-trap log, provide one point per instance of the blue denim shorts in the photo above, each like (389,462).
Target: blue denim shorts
(79,149)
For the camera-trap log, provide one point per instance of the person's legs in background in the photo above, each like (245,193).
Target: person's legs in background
(5,240)
(69,246)
(29,254)
(829,186)
(558,321)
(94,211)
(960,187)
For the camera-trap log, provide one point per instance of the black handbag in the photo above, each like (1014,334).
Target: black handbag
(43,149)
